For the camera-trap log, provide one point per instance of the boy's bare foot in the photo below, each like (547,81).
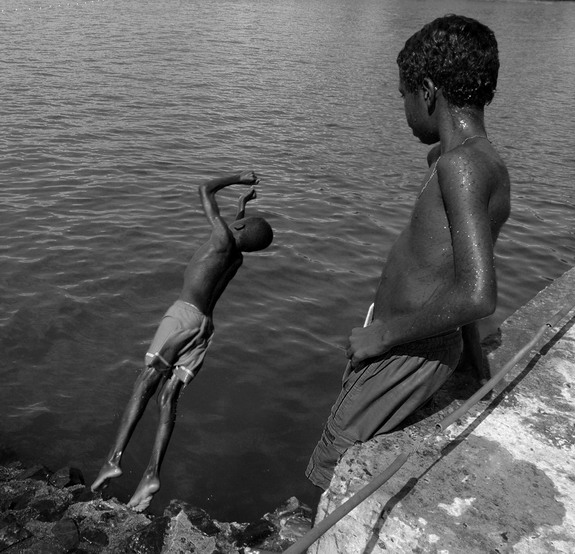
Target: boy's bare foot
(109,471)
(143,496)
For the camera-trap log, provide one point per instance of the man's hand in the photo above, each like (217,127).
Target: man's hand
(366,342)
(248,178)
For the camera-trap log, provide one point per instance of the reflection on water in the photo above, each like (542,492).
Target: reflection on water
(112,114)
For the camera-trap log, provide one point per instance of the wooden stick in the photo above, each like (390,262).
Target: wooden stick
(316,532)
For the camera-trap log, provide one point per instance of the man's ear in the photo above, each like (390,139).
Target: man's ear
(429,94)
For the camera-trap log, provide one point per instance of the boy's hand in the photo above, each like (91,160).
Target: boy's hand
(250,195)
(248,178)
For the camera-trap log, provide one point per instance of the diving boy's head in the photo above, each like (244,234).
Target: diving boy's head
(458,54)
(252,233)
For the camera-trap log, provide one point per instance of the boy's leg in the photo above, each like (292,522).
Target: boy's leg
(144,388)
(150,483)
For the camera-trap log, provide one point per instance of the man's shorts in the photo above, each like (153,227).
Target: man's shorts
(182,318)
(377,397)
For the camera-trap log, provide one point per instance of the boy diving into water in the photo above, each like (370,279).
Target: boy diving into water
(177,351)
(439,276)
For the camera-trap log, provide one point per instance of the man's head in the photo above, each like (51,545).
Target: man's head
(458,54)
(252,233)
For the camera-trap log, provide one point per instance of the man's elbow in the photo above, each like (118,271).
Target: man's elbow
(482,305)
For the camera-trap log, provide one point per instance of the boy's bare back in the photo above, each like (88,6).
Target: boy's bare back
(216,262)
(209,271)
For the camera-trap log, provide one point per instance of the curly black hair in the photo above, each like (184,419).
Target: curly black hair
(458,54)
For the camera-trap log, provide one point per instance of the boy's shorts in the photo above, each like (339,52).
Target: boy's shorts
(182,316)
(377,397)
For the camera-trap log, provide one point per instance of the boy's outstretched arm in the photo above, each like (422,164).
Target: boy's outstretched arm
(244,199)
(209,188)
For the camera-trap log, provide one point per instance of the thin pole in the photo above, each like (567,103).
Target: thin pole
(304,542)
(316,532)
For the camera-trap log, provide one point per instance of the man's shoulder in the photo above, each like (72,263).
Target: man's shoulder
(478,166)
(478,177)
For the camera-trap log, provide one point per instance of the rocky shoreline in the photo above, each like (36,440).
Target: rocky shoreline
(45,512)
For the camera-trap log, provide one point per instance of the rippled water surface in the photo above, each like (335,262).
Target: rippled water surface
(113,112)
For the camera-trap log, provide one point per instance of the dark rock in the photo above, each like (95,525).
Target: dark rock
(48,509)
(199,518)
(83,494)
(293,518)
(150,539)
(113,518)
(44,513)
(38,472)
(66,533)
(20,502)
(67,477)
(95,536)
(76,477)
(43,547)
(256,532)
(11,533)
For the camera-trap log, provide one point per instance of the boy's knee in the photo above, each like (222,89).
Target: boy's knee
(148,377)
(170,392)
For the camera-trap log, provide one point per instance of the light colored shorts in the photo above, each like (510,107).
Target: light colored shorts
(181,318)
(378,397)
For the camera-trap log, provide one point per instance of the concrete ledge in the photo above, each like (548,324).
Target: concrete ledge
(499,480)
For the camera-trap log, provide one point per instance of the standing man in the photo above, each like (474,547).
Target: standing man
(439,277)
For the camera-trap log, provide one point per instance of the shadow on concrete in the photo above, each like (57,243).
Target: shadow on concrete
(454,443)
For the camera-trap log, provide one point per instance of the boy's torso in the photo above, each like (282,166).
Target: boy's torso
(421,262)
(207,275)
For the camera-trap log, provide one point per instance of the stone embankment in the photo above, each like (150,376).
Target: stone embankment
(54,513)
(501,479)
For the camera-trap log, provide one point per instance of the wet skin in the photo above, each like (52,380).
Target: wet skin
(439,274)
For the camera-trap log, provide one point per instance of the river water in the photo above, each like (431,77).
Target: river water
(114,111)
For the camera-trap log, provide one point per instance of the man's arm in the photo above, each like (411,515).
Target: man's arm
(473,353)
(473,292)
(243,200)
(208,192)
